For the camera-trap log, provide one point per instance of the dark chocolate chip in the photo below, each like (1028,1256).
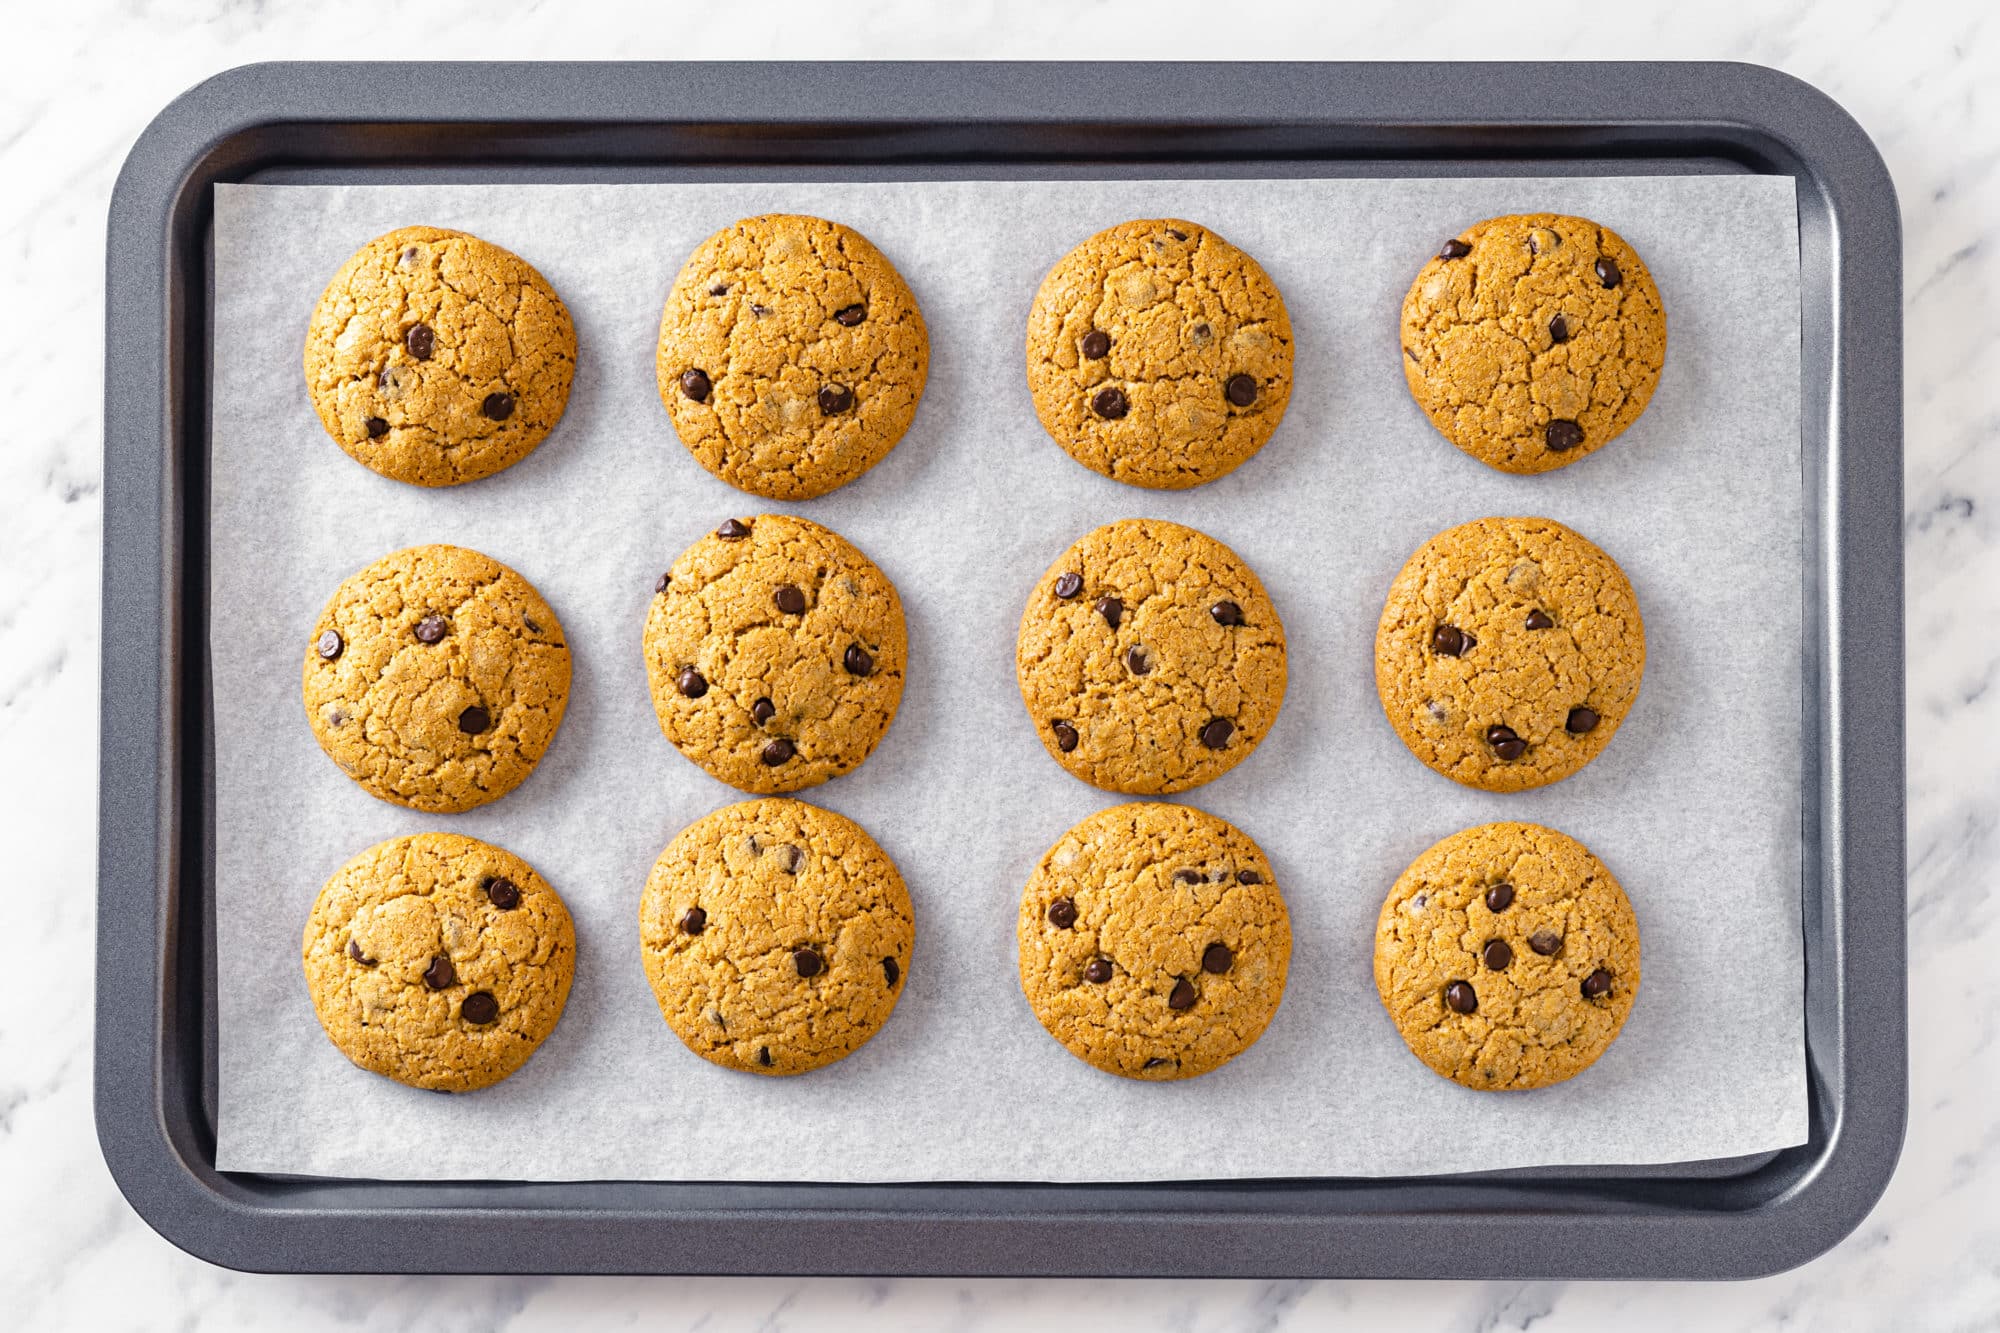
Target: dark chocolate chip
(1111,404)
(1111,609)
(1154,1062)
(695,385)
(807,962)
(1066,737)
(733,530)
(661,583)
(850,315)
(1240,390)
(479,1007)
(719,289)
(1182,996)
(430,629)
(1137,660)
(474,720)
(835,399)
(330,645)
(1454,249)
(1248,877)
(1448,641)
(1539,619)
(1097,971)
(498,406)
(1545,942)
(691,683)
(1597,985)
(421,341)
(1607,272)
(1563,436)
(1496,955)
(790,858)
(1505,743)
(529,621)
(440,973)
(1226,613)
(763,711)
(1177,234)
(1558,330)
(1216,958)
(376,427)
(891,972)
(1500,897)
(1461,997)
(694,921)
(777,752)
(502,893)
(1096,345)
(790,600)
(764,1056)
(1188,877)
(1062,913)
(1068,585)
(354,952)
(1215,733)
(858,660)
(1582,719)
(1535,241)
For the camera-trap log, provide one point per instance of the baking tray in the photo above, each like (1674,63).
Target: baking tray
(381,123)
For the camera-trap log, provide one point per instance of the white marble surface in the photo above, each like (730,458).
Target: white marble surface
(85,75)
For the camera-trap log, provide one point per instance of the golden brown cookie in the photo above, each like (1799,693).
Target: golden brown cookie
(1150,659)
(436,678)
(776,653)
(792,355)
(1154,941)
(438,961)
(1159,354)
(1509,651)
(1533,340)
(776,936)
(1507,956)
(435,357)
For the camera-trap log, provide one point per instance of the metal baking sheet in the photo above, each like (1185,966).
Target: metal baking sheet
(156,1002)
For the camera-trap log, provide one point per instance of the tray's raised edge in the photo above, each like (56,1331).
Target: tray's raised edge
(209,131)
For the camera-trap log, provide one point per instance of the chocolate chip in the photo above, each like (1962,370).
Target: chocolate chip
(1062,913)
(1137,661)
(790,600)
(1226,613)
(1505,743)
(498,406)
(691,683)
(1558,330)
(733,530)
(1096,345)
(1187,877)
(835,399)
(850,315)
(694,921)
(1066,737)
(1449,641)
(1215,733)
(1539,619)
(1097,971)
(695,385)
(790,858)
(777,752)
(440,973)
(529,621)
(501,892)
(1563,436)
(1500,897)
(891,973)
(1216,958)
(1461,997)
(1111,404)
(1182,996)
(1597,985)
(1240,390)
(719,289)
(1582,719)
(1535,240)
(1154,1062)
(430,629)
(1248,877)
(376,427)
(1607,272)
(763,711)
(764,1056)
(421,341)
(1496,955)
(474,720)
(1177,234)
(479,1007)
(660,583)
(1454,249)
(1201,332)
(807,962)
(1545,942)
(759,310)
(1111,609)
(329,645)
(354,952)
(1068,585)
(858,660)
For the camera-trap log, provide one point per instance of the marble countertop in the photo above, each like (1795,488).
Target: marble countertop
(87,75)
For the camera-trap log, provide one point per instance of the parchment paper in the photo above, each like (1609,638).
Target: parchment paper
(1695,806)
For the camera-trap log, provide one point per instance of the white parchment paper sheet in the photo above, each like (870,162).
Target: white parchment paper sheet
(1695,806)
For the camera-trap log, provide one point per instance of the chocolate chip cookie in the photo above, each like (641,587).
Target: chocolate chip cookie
(792,355)
(776,653)
(1150,659)
(1509,651)
(438,961)
(1154,941)
(1507,956)
(1533,340)
(436,678)
(1159,354)
(776,936)
(437,358)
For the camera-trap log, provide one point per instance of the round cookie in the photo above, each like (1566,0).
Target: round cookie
(1150,659)
(1159,354)
(1533,340)
(436,678)
(437,358)
(1509,651)
(1154,941)
(776,653)
(776,936)
(792,355)
(1507,956)
(438,961)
